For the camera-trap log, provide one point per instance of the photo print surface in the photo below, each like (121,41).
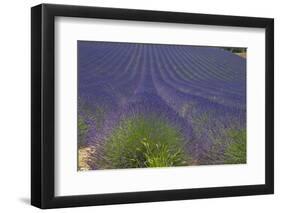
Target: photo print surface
(160,105)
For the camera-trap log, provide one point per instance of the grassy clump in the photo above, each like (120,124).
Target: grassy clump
(236,151)
(140,142)
(83,128)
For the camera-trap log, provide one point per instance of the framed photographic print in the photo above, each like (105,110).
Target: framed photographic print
(140,106)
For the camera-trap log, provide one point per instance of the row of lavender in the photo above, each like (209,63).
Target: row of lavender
(199,90)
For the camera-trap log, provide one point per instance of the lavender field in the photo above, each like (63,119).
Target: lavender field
(155,105)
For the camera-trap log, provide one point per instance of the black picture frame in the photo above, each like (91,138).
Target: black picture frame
(43,102)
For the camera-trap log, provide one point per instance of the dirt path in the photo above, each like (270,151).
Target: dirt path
(85,158)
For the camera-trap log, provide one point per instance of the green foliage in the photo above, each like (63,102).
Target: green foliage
(96,114)
(82,131)
(159,155)
(143,142)
(236,151)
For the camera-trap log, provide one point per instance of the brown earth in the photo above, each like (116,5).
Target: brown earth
(85,158)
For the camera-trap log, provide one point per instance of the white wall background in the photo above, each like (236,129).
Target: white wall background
(15,105)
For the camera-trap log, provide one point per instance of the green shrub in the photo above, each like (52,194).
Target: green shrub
(143,142)
(236,151)
(83,128)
